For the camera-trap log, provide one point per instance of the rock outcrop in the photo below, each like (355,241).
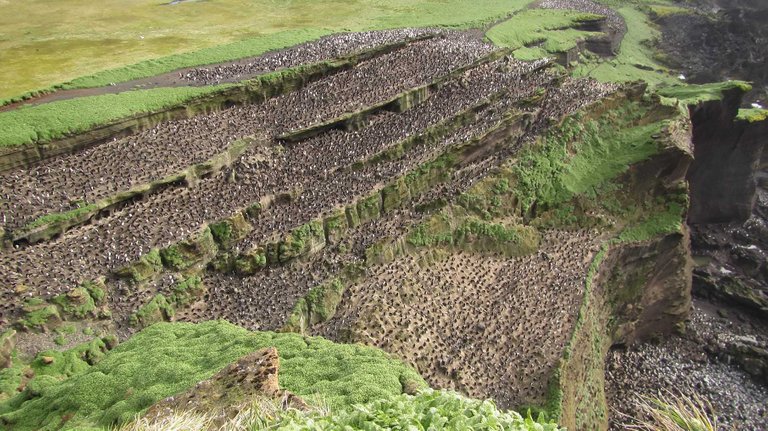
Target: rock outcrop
(729,204)
(251,378)
(727,154)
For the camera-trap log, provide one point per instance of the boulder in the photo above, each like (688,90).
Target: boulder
(250,378)
(7,344)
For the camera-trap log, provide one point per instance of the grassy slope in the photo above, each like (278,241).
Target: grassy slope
(581,154)
(545,26)
(168,358)
(51,45)
(635,59)
(56,119)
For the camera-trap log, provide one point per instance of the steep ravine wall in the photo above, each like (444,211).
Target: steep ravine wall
(635,289)
(727,154)
(634,292)
(727,221)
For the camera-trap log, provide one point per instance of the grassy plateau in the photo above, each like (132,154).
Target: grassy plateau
(128,40)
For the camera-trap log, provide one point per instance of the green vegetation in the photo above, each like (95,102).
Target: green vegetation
(659,223)
(691,94)
(161,308)
(38,314)
(752,115)
(635,59)
(660,11)
(473,234)
(187,291)
(215,54)
(429,410)
(173,257)
(581,154)
(52,41)
(158,309)
(301,240)
(55,120)
(535,33)
(317,306)
(11,378)
(78,303)
(576,388)
(222,232)
(148,265)
(168,358)
(62,365)
(58,217)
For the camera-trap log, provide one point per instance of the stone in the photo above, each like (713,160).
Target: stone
(47,360)
(252,377)
(7,344)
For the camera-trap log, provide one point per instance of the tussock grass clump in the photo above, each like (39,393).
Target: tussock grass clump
(260,414)
(675,412)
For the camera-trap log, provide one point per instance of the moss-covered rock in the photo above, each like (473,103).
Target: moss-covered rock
(353,219)
(395,195)
(251,262)
(229,231)
(40,315)
(187,291)
(145,268)
(185,254)
(335,227)
(158,309)
(317,306)
(369,208)
(305,239)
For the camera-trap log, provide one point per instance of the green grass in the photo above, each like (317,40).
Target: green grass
(691,94)
(752,115)
(216,54)
(635,58)
(548,27)
(428,410)
(659,223)
(11,378)
(581,154)
(168,358)
(55,120)
(62,41)
(658,11)
(57,217)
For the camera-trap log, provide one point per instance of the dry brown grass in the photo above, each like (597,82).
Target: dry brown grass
(258,415)
(673,412)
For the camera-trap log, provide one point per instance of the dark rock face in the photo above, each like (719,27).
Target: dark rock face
(727,155)
(724,39)
(729,205)
(732,257)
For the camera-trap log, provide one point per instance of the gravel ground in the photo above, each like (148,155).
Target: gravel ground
(687,364)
